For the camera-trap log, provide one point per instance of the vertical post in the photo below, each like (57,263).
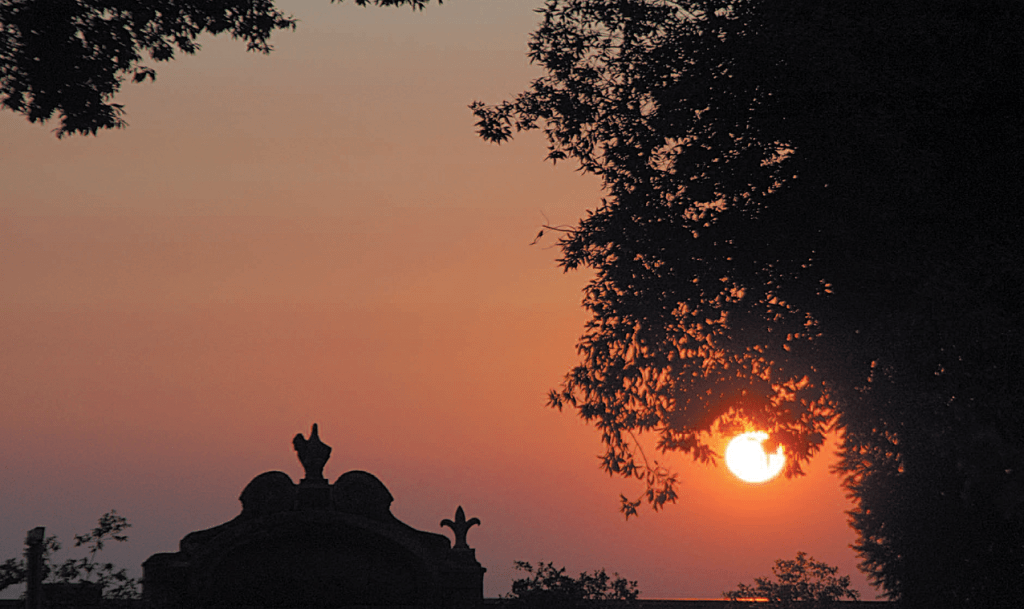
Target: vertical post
(34,572)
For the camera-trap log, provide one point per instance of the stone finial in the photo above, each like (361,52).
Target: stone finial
(313,454)
(36,542)
(460,527)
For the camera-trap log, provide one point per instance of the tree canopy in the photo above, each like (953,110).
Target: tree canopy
(70,57)
(801,582)
(810,219)
(548,587)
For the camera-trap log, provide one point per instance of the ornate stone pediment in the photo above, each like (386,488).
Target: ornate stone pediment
(316,544)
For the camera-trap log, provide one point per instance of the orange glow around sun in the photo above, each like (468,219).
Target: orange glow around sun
(746,458)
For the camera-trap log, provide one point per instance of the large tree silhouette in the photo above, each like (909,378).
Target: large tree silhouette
(811,219)
(70,57)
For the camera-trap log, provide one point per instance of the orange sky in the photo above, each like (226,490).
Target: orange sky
(319,236)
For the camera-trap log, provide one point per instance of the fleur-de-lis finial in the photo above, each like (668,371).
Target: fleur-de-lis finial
(460,527)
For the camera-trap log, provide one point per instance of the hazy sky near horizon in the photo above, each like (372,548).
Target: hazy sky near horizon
(318,235)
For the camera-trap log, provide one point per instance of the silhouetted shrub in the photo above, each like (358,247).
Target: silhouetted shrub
(803,582)
(549,588)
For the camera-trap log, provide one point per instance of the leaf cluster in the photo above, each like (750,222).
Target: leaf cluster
(114,582)
(415,4)
(802,582)
(12,572)
(70,57)
(547,587)
(700,317)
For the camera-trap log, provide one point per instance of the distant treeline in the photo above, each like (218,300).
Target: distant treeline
(493,602)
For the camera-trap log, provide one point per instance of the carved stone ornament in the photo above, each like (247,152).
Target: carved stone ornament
(313,454)
(460,527)
(314,545)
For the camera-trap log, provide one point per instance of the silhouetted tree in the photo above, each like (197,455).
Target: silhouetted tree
(810,218)
(801,582)
(546,587)
(113,582)
(70,57)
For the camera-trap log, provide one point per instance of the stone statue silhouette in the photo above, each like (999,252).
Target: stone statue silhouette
(313,454)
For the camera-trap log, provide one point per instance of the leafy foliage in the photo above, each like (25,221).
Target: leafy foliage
(70,57)
(699,325)
(811,219)
(415,4)
(802,582)
(114,583)
(546,587)
(12,572)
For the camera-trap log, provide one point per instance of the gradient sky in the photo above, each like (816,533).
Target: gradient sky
(318,235)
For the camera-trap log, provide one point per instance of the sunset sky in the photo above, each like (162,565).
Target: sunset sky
(318,235)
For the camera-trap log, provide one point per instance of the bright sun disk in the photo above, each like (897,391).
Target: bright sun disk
(746,458)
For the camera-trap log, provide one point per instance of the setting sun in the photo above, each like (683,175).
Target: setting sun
(746,458)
